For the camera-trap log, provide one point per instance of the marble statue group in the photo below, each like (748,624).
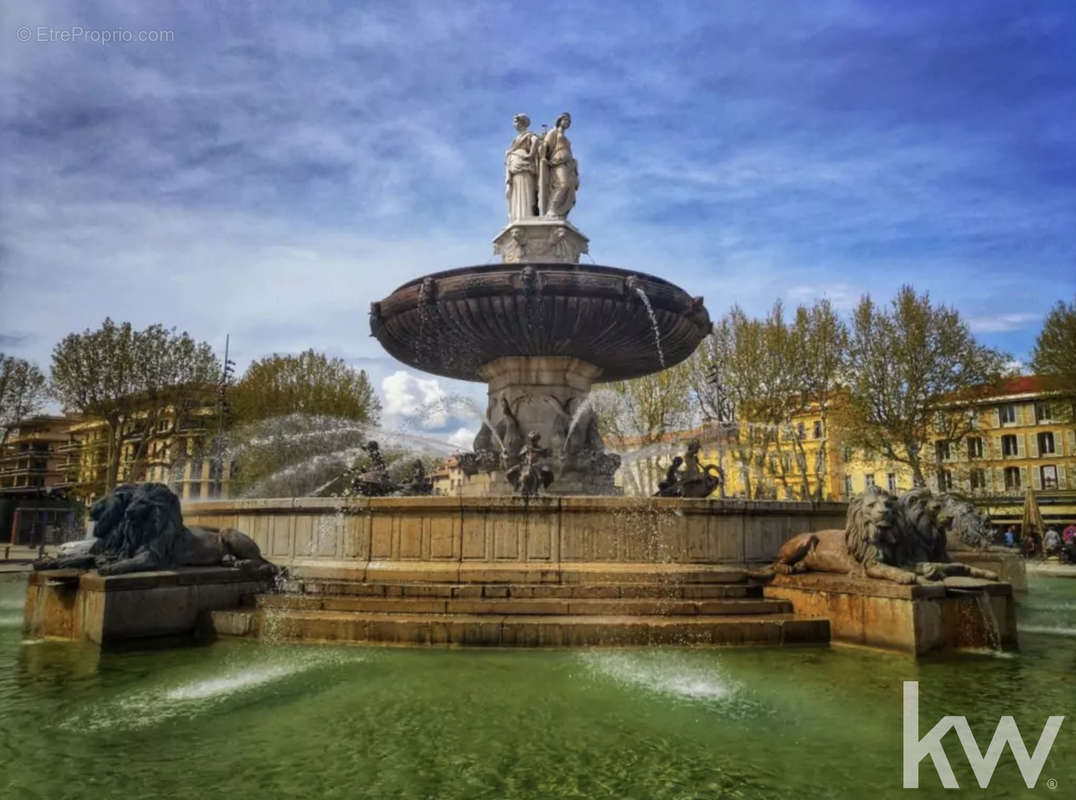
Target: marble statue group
(540,174)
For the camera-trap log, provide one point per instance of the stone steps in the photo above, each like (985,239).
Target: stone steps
(517,606)
(601,590)
(589,606)
(520,630)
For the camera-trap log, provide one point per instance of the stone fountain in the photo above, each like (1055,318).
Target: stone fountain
(540,328)
(681,568)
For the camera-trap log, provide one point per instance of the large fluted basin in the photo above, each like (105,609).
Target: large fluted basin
(451,323)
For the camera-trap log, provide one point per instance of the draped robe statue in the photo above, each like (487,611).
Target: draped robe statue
(521,171)
(558,177)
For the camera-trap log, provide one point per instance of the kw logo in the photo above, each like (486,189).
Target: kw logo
(982,764)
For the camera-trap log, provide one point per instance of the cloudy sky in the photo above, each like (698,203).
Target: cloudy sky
(267,173)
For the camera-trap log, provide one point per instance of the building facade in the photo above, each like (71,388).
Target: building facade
(35,474)
(1022,438)
(178,453)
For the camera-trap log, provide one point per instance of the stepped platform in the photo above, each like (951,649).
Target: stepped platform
(555,571)
(722,610)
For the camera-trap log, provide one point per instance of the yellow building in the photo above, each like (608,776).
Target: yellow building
(30,457)
(1020,440)
(450,480)
(759,461)
(177,455)
(34,478)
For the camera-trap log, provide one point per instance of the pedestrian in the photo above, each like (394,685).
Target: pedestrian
(1010,537)
(1051,542)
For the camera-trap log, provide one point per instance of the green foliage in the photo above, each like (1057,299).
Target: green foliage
(23,390)
(1054,356)
(907,364)
(135,381)
(756,375)
(308,383)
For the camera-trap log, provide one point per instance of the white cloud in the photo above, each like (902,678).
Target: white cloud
(417,402)
(463,438)
(1001,323)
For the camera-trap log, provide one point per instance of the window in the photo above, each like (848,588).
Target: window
(1012,477)
(891,482)
(801,430)
(1046,443)
(1042,411)
(818,429)
(945,480)
(846,454)
(195,491)
(975,447)
(196,469)
(1007,414)
(868,481)
(942,450)
(1008,445)
(1049,476)
(977,478)
(847,485)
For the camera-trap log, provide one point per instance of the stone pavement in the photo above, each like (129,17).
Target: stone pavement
(1051,567)
(16,558)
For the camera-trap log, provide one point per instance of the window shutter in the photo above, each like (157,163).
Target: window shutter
(1033,444)
(1062,483)
(997,416)
(1020,445)
(999,480)
(1072,443)
(1023,477)
(998,452)
(1036,479)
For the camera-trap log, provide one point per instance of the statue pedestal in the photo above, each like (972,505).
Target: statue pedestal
(543,240)
(86,606)
(1010,566)
(546,395)
(916,619)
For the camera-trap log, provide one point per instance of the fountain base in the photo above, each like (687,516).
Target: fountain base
(916,619)
(541,239)
(86,606)
(545,395)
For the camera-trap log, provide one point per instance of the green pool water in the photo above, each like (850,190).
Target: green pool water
(242,720)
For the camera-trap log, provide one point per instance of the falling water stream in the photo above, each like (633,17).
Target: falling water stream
(653,324)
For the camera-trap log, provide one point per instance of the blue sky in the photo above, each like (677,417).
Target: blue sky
(267,173)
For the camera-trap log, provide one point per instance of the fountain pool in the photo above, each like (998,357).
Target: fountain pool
(242,719)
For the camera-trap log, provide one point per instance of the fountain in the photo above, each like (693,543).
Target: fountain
(540,335)
(540,328)
(550,555)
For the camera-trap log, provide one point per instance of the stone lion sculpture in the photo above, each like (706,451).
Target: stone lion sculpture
(966,527)
(139,528)
(885,538)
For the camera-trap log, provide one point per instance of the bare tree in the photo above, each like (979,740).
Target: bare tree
(641,413)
